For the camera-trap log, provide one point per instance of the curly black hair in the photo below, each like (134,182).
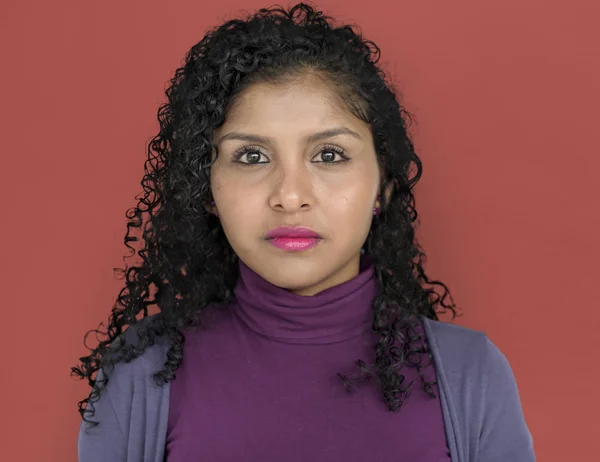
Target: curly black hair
(186,262)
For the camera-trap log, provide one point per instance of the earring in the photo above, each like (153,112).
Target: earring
(376,209)
(213,203)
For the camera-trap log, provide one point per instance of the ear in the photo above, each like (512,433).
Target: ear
(389,190)
(387,193)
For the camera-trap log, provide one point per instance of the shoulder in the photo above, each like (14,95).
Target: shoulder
(468,364)
(132,409)
(453,335)
(151,359)
(133,334)
(480,393)
(127,381)
(460,349)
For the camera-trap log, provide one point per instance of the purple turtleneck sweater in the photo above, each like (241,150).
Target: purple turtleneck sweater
(259,382)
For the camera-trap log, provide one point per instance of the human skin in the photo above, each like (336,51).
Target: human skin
(288,180)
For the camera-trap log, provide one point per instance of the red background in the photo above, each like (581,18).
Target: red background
(506,96)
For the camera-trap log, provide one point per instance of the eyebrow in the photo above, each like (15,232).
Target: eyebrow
(310,139)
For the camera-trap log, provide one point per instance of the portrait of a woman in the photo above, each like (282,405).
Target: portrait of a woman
(280,309)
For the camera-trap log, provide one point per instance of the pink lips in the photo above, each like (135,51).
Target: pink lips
(293,239)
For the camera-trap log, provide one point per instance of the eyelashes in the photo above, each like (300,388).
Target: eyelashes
(256,153)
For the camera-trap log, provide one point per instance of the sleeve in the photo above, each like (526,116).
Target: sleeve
(504,433)
(106,441)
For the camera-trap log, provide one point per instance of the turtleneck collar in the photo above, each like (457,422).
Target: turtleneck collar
(333,315)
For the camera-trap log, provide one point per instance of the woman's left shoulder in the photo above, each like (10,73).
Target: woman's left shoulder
(481,393)
(461,349)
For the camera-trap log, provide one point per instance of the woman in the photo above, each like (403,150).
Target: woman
(295,320)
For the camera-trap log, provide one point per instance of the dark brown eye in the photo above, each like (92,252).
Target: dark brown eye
(328,156)
(328,153)
(252,157)
(249,156)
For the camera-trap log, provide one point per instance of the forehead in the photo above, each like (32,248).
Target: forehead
(301,100)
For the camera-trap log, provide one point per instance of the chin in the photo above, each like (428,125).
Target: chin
(293,277)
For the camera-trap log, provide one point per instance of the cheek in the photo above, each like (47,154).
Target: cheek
(239,210)
(349,211)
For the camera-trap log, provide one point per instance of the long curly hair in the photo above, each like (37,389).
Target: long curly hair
(185,261)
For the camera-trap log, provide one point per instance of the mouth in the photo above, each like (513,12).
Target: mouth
(294,244)
(294,239)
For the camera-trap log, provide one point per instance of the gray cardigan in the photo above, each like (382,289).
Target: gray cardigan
(480,403)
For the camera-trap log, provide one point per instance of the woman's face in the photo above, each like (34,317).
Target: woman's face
(289,173)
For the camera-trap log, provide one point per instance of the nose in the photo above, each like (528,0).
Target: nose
(292,190)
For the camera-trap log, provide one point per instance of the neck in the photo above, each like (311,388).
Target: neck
(332,315)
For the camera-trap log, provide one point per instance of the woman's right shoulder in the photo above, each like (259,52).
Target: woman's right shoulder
(151,360)
(122,407)
(127,380)
(152,355)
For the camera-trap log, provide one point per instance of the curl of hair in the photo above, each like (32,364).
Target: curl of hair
(187,263)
